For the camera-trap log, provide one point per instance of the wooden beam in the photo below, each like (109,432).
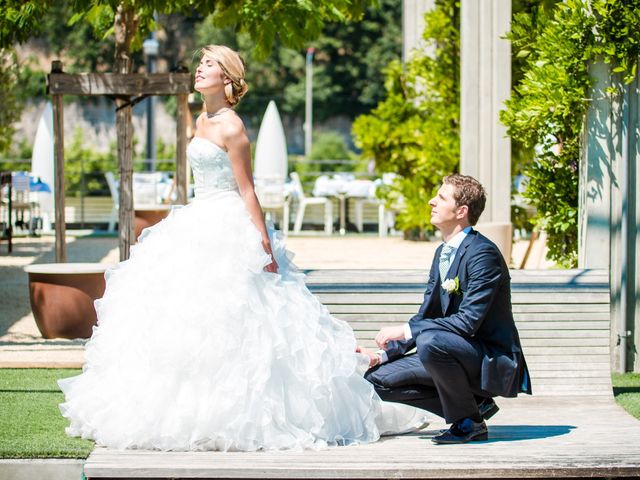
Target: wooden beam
(124,132)
(119,83)
(58,140)
(181,148)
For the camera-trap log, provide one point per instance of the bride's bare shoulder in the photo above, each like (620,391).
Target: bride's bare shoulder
(233,130)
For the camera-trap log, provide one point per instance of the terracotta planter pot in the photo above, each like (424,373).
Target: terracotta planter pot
(62,296)
(148,215)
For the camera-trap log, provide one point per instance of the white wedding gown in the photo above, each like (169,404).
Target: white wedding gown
(198,348)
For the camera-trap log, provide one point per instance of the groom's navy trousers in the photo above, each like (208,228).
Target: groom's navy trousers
(467,345)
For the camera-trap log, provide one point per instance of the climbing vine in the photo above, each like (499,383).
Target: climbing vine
(547,109)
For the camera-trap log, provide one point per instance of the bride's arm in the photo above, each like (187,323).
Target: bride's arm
(237,143)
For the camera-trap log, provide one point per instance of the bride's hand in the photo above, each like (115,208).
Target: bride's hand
(272,267)
(374,358)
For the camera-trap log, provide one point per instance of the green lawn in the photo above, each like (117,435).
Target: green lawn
(30,423)
(626,388)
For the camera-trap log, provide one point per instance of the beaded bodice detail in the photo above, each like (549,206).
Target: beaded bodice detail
(211,168)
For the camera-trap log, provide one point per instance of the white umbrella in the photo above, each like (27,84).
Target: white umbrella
(42,164)
(271,147)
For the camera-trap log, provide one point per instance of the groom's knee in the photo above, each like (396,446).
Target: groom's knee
(433,346)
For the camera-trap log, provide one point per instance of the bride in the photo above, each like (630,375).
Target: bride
(207,337)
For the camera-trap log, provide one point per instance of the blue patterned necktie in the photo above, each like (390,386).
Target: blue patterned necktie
(445,257)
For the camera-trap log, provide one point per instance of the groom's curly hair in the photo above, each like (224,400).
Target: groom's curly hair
(469,192)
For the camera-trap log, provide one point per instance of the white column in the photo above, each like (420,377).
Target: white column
(485,84)
(597,174)
(413,25)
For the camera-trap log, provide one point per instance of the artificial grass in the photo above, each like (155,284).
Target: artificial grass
(626,388)
(31,425)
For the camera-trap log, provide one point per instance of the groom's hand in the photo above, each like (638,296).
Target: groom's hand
(388,334)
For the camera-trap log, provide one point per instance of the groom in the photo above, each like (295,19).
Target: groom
(467,345)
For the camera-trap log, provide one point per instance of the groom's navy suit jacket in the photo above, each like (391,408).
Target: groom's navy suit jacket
(481,310)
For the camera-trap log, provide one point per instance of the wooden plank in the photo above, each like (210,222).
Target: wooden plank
(416,298)
(536,350)
(521,319)
(58,151)
(550,341)
(560,308)
(411,309)
(127,84)
(588,366)
(548,336)
(575,277)
(566,358)
(567,324)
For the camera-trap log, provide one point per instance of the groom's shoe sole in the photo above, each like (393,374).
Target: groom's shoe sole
(476,438)
(463,432)
(488,408)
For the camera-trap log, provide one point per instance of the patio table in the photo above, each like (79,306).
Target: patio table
(343,187)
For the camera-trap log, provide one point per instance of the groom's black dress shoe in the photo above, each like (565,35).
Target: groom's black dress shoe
(463,431)
(488,408)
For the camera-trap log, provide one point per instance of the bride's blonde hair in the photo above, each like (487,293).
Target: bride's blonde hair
(232,65)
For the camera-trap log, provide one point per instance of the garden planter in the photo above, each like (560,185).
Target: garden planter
(148,215)
(62,296)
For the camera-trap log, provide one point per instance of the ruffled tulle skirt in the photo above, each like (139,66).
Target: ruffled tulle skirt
(198,348)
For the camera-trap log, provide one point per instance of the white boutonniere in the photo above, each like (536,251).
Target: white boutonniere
(452,285)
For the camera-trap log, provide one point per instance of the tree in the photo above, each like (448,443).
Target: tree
(348,65)
(10,111)
(293,22)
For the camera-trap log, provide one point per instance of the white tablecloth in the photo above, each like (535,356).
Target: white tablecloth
(326,186)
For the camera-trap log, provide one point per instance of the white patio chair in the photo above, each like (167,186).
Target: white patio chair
(303,201)
(150,188)
(274,197)
(385,217)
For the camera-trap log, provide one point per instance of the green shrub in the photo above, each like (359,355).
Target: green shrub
(415,131)
(83,164)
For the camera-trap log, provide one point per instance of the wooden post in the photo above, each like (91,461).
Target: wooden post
(124,132)
(58,135)
(181,148)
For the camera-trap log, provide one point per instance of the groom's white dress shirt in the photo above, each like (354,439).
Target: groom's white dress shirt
(454,243)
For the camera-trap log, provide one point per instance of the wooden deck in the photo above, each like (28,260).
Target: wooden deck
(530,437)
(570,428)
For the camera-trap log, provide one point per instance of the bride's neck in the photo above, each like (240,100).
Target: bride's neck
(213,103)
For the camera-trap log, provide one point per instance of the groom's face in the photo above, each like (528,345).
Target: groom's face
(444,211)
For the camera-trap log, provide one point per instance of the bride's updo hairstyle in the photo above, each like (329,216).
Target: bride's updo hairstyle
(233,67)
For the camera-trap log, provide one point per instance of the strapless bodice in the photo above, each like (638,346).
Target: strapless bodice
(211,166)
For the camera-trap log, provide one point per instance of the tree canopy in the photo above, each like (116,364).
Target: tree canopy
(293,22)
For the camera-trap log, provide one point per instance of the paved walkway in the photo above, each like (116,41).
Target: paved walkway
(21,344)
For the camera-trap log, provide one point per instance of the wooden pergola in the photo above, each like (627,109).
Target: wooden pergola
(126,89)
